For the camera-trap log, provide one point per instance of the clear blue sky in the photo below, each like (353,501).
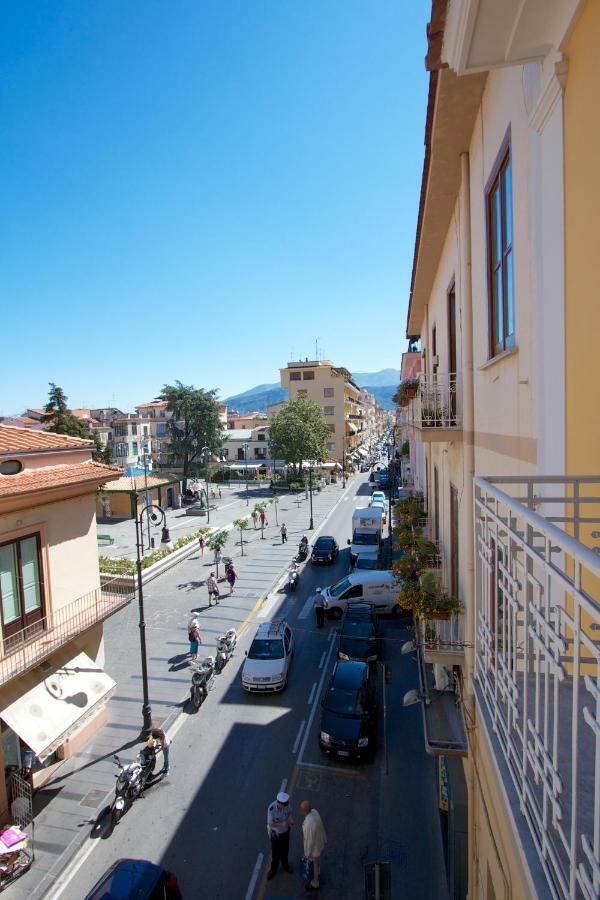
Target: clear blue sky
(197,190)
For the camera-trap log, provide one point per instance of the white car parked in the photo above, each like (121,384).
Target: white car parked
(268,660)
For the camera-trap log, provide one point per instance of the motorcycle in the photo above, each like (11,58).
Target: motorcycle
(226,644)
(203,679)
(293,577)
(302,551)
(132,778)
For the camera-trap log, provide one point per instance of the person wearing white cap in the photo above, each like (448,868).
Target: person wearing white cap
(279,822)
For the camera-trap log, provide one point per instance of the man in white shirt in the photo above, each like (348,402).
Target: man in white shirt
(315,839)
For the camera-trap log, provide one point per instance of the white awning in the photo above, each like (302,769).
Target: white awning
(56,702)
(362,451)
(241,464)
(351,426)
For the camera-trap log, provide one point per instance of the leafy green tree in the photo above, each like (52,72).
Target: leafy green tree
(194,423)
(241,525)
(215,542)
(61,420)
(299,432)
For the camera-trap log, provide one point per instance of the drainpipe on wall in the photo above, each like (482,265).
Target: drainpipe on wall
(468,415)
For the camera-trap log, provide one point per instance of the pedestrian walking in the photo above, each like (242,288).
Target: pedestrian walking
(194,637)
(201,544)
(279,822)
(159,735)
(319,607)
(231,575)
(219,493)
(263,518)
(315,839)
(213,588)
(254,516)
(283,533)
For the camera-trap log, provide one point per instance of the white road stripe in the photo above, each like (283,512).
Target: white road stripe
(69,873)
(322,660)
(306,609)
(314,707)
(312,693)
(299,736)
(254,876)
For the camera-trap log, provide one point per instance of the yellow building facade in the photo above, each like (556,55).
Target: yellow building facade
(506,434)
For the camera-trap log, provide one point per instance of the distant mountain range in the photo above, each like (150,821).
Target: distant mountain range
(381,384)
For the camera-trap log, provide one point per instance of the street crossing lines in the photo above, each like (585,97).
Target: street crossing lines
(306,609)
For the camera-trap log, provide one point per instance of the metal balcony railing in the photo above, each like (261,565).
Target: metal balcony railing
(437,403)
(537,663)
(29,646)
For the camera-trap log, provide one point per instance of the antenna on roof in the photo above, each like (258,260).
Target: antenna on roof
(317,349)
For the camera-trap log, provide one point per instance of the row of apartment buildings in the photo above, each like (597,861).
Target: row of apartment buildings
(504,435)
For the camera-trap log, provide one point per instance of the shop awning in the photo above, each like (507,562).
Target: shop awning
(241,464)
(361,451)
(54,703)
(351,426)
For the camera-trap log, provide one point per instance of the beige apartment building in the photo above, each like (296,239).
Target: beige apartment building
(332,388)
(504,446)
(53,687)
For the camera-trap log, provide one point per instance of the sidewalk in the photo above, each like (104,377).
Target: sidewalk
(67,806)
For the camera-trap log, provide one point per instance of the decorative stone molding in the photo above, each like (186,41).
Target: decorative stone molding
(549,95)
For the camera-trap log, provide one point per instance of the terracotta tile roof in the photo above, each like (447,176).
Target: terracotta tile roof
(24,440)
(137,483)
(33,480)
(153,403)
(22,422)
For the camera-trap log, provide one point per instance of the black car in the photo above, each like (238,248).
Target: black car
(136,878)
(325,550)
(359,636)
(349,716)
(365,562)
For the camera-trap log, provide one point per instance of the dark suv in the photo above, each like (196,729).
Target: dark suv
(359,634)
(325,550)
(349,716)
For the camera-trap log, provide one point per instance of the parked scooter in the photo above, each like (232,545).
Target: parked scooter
(226,644)
(293,576)
(203,679)
(132,778)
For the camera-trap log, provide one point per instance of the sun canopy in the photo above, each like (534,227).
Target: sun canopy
(56,702)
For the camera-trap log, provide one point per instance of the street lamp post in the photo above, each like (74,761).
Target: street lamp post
(207,452)
(156,515)
(246,468)
(311,526)
(344,463)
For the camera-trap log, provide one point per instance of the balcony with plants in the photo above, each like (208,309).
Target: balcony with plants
(437,632)
(433,405)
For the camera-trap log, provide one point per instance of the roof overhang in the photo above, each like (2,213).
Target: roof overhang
(480,35)
(452,110)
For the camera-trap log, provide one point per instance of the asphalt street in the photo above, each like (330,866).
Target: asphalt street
(207,821)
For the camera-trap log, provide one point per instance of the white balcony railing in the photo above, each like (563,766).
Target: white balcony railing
(537,663)
(438,403)
(29,646)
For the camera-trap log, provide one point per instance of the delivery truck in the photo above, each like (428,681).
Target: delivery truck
(367,526)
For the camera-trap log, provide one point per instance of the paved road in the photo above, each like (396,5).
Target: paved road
(206,821)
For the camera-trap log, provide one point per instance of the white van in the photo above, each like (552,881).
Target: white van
(379,588)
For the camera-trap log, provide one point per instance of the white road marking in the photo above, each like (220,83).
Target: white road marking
(299,736)
(71,870)
(254,876)
(312,693)
(332,631)
(306,609)
(267,607)
(283,785)
(348,771)
(314,707)
(322,660)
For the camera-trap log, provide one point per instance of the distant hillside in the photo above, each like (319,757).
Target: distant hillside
(257,399)
(381,384)
(384,378)
(383,394)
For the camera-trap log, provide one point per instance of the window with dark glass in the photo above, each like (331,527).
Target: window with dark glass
(308,376)
(500,256)
(21,586)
